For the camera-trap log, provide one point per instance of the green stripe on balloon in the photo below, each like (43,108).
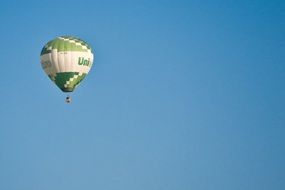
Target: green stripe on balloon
(82,42)
(67,81)
(66,44)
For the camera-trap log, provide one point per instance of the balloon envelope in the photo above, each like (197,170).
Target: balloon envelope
(66,60)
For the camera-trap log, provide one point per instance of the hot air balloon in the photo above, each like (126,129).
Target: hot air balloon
(67,60)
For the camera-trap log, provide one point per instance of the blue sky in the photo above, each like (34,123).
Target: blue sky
(182,95)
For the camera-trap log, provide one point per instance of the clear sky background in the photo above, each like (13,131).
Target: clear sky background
(183,95)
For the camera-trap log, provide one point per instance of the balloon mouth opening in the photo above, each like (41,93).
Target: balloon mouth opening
(67,89)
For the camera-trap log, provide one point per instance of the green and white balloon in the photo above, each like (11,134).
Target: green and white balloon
(66,60)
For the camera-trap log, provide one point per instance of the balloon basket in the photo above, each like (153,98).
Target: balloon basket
(68,99)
